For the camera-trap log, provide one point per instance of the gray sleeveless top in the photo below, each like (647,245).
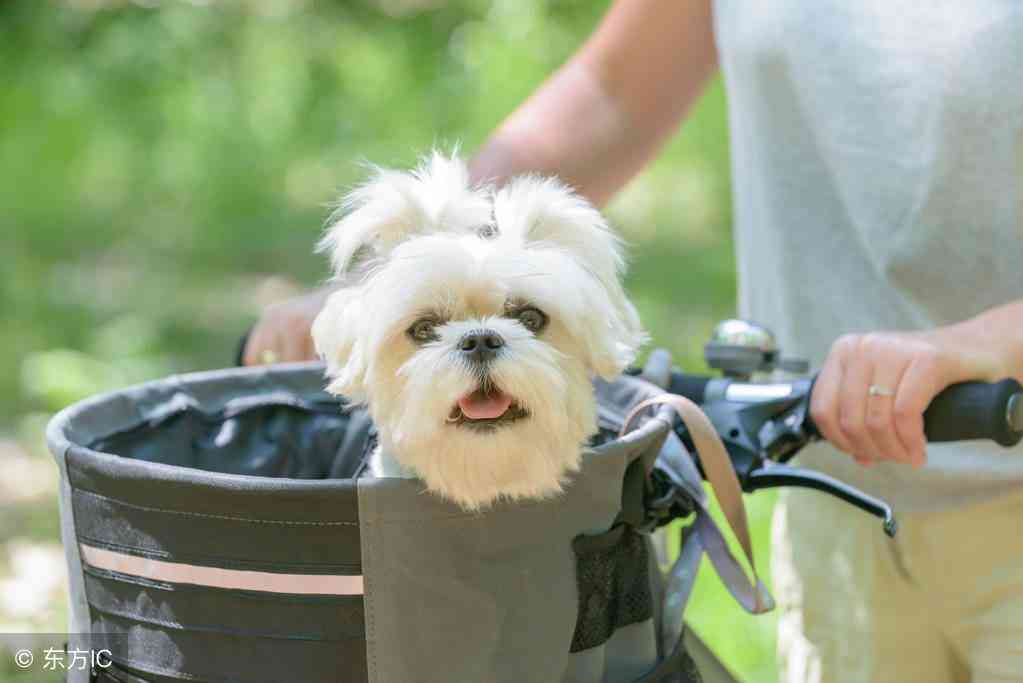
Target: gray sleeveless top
(876,153)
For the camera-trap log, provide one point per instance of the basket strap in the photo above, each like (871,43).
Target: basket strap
(717,467)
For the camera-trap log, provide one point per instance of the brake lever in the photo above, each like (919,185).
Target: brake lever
(772,475)
(763,426)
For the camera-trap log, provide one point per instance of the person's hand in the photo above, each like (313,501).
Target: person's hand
(870,395)
(282,334)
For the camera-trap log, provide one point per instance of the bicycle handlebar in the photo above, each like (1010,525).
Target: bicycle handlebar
(961,412)
(764,424)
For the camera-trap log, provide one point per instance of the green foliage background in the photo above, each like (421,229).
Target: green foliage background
(167,167)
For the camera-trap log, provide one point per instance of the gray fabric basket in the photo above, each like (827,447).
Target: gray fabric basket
(216,529)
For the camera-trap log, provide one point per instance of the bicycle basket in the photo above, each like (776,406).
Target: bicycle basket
(215,530)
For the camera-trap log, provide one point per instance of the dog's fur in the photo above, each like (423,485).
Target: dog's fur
(427,248)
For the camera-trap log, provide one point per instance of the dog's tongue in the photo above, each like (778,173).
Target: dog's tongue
(485,406)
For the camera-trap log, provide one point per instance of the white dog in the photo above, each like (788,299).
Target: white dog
(471,321)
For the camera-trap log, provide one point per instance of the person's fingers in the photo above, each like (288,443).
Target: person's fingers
(284,332)
(825,402)
(852,411)
(281,336)
(880,413)
(309,348)
(259,342)
(295,348)
(920,384)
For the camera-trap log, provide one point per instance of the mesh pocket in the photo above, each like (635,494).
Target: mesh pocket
(613,581)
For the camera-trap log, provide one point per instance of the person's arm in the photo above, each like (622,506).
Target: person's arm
(600,118)
(594,123)
(914,367)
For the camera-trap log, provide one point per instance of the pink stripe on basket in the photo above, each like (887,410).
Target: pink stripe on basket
(175,572)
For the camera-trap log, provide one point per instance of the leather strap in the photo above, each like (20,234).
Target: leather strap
(717,467)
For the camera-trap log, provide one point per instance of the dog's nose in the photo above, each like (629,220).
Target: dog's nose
(481,346)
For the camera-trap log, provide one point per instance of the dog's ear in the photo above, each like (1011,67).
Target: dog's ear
(335,334)
(540,213)
(395,205)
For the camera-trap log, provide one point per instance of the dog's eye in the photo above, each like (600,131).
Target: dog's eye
(533,319)
(422,331)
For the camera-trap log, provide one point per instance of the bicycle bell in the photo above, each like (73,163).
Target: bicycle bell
(739,348)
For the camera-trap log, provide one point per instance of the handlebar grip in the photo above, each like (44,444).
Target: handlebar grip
(976,410)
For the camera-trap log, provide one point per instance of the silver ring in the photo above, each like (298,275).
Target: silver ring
(878,390)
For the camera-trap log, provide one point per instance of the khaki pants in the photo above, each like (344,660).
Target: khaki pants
(941,602)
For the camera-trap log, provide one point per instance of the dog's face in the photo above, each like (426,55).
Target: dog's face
(473,326)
